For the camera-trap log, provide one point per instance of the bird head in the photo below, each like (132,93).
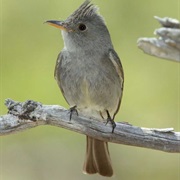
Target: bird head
(84,28)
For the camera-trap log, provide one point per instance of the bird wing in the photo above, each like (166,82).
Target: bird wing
(59,58)
(56,71)
(119,69)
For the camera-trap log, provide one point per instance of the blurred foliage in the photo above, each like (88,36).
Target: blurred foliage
(28,51)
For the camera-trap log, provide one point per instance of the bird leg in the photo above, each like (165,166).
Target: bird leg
(109,119)
(72,110)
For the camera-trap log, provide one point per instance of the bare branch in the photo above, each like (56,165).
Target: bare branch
(167,45)
(23,116)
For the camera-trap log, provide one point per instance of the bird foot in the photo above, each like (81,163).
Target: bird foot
(109,119)
(72,110)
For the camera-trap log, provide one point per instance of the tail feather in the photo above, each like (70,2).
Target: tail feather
(89,166)
(97,158)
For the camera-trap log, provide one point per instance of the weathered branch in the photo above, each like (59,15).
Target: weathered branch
(23,116)
(167,45)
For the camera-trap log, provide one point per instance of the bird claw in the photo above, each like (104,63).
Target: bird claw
(109,119)
(72,110)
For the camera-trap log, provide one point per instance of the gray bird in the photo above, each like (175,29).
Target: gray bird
(90,76)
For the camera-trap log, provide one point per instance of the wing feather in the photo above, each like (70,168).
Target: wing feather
(119,69)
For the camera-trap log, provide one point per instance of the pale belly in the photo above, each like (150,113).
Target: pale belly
(92,87)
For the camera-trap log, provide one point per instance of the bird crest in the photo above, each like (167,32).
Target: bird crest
(87,9)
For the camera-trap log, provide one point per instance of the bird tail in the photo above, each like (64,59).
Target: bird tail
(97,158)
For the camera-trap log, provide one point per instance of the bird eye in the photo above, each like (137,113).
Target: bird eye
(82,27)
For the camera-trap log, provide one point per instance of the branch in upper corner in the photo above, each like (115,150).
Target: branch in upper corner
(167,45)
(29,114)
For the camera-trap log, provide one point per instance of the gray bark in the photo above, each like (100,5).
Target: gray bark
(30,114)
(167,44)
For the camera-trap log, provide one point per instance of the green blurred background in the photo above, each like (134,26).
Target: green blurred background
(151,97)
